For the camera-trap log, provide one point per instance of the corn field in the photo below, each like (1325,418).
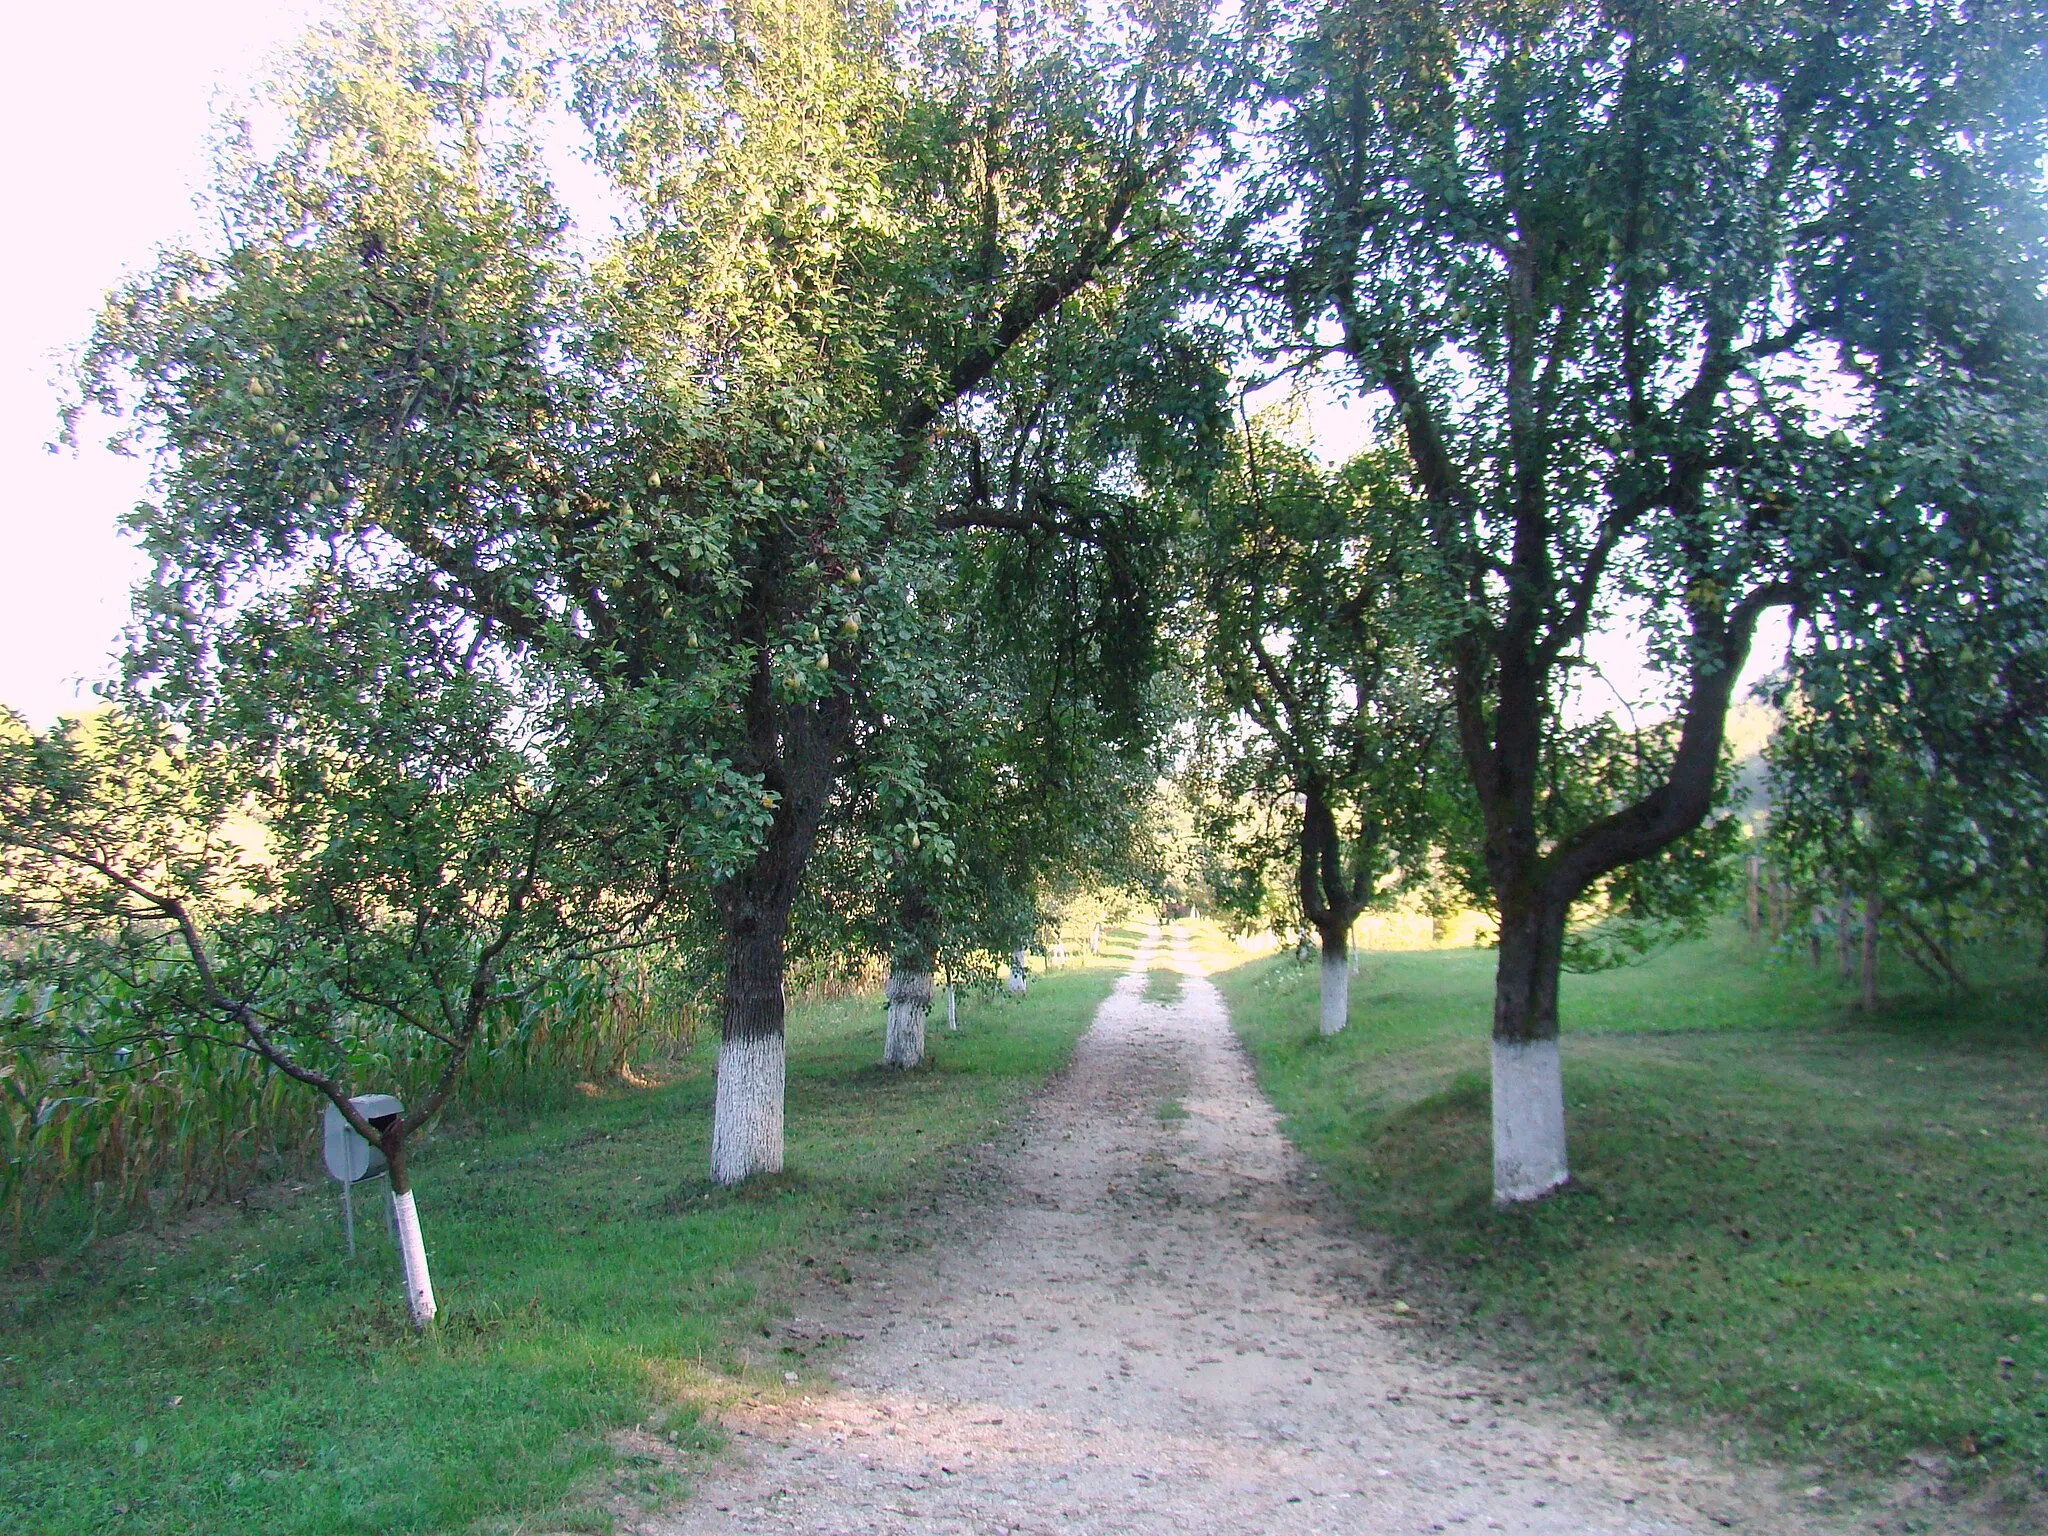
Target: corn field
(119,1134)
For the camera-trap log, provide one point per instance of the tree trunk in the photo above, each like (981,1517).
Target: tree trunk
(1336,999)
(1020,979)
(412,1247)
(746,1119)
(1845,938)
(952,1008)
(909,996)
(1528,1085)
(1872,907)
(1752,865)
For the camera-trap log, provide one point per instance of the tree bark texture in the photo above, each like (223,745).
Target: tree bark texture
(909,999)
(796,748)
(746,1119)
(1503,747)
(1331,899)
(1529,1157)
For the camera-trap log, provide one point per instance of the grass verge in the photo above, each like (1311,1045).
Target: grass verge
(1822,1227)
(1162,985)
(241,1375)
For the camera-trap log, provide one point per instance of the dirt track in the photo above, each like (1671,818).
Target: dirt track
(1150,1330)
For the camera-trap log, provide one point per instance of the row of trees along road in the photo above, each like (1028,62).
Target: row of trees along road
(694,488)
(587,591)
(1310,604)
(1656,300)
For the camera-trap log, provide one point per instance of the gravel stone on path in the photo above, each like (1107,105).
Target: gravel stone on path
(1150,1330)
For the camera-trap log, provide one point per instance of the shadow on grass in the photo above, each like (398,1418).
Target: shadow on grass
(1825,1228)
(246,1376)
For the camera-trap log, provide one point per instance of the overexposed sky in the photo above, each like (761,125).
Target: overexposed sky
(105,109)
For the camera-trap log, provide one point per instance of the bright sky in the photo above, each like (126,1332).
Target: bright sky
(104,116)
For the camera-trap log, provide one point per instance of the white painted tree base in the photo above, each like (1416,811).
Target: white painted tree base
(1336,994)
(909,995)
(746,1115)
(1020,979)
(412,1251)
(1528,1120)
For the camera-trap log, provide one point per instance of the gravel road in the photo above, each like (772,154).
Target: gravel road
(1144,1326)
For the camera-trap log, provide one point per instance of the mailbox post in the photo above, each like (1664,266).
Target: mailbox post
(350,1159)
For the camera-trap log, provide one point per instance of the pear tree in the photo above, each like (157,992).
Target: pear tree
(1651,298)
(1322,716)
(680,461)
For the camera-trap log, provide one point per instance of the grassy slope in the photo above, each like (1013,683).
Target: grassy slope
(1825,1228)
(246,1377)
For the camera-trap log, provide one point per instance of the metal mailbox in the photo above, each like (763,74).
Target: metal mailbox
(350,1158)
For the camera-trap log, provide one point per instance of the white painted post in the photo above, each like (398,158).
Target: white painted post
(419,1286)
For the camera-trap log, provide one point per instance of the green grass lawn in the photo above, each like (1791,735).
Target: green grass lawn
(239,1375)
(1825,1229)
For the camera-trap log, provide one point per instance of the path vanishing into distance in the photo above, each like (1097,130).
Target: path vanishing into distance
(1144,1325)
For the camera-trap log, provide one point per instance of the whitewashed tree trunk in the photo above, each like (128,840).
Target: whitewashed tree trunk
(1333,940)
(1336,992)
(746,1115)
(909,995)
(1528,1089)
(1020,979)
(412,1252)
(952,1008)
(1528,1120)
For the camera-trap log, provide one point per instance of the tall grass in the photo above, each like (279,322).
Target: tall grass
(94,1135)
